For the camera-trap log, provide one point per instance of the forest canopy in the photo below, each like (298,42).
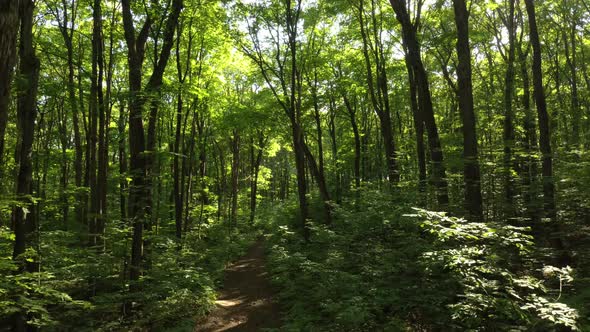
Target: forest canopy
(408,165)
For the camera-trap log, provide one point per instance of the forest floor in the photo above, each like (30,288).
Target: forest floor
(246,302)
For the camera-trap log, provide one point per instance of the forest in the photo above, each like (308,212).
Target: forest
(369,165)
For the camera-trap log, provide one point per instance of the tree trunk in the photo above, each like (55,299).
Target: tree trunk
(176,191)
(138,193)
(545,138)
(97,110)
(337,169)
(410,41)
(25,223)
(235,171)
(473,199)
(418,126)
(530,143)
(67,35)
(9,23)
(508,130)
(121,124)
(64,143)
(357,140)
(379,98)
(299,151)
(255,169)
(575,100)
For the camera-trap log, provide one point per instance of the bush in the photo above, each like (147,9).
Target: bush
(379,268)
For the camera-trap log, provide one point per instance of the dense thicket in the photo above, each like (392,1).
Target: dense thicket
(144,144)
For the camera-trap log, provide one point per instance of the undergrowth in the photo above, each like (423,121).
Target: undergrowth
(385,266)
(86,288)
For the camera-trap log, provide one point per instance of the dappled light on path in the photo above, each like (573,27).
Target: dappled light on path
(246,301)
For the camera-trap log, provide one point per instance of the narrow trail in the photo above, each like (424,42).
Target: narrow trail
(246,302)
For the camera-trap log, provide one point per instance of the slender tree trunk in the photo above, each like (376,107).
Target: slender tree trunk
(67,35)
(379,98)
(318,122)
(301,180)
(544,137)
(357,140)
(122,161)
(508,132)
(418,126)
(222,182)
(235,171)
(255,169)
(473,199)
(9,23)
(294,113)
(96,120)
(571,60)
(64,142)
(530,143)
(188,168)
(25,223)
(410,41)
(176,191)
(337,169)
(138,192)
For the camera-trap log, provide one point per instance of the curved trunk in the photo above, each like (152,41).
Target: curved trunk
(410,41)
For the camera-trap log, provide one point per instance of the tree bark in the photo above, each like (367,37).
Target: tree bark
(544,138)
(67,34)
(508,130)
(289,97)
(571,61)
(410,41)
(418,126)
(137,141)
(9,24)
(357,140)
(379,96)
(121,124)
(471,173)
(97,110)
(25,223)
(256,160)
(235,172)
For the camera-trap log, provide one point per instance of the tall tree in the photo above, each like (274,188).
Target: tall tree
(136,42)
(257,144)
(417,72)
(377,86)
(508,132)
(25,218)
(66,18)
(9,22)
(96,120)
(544,136)
(473,199)
(288,91)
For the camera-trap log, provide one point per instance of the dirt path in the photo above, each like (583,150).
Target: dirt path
(246,301)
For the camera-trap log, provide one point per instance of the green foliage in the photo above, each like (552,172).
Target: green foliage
(384,269)
(36,294)
(492,295)
(179,288)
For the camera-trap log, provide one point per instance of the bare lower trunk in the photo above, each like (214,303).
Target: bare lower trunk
(554,230)
(471,174)
(25,223)
(9,21)
(235,166)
